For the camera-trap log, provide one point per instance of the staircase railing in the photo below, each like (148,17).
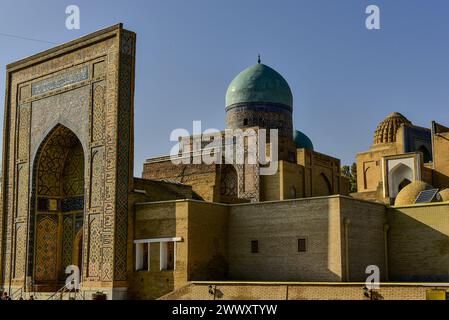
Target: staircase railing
(59,292)
(16,292)
(59,295)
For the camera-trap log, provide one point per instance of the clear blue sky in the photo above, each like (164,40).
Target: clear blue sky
(345,78)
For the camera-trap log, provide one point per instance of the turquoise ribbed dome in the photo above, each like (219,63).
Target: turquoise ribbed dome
(259,84)
(302,141)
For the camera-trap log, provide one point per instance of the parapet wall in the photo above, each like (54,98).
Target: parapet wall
(300,291)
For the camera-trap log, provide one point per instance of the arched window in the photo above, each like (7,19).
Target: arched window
(403,184)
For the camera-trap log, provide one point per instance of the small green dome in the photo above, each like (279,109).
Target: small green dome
(259,84)
(302,141)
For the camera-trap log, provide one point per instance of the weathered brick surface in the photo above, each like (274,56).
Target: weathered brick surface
(202,178)
(292,291)
(278,226)
(366,242)
(218,236)
(419,243)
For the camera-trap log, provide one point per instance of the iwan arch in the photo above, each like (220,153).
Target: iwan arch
(65,196)
(69,196)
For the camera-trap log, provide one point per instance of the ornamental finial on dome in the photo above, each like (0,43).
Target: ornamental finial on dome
(258,60)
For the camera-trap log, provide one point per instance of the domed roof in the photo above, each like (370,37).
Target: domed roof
(444,194)
(259,84)
(387,129)
(302,141)
(409,194)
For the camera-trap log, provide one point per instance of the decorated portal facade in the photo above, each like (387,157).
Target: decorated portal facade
(66,196)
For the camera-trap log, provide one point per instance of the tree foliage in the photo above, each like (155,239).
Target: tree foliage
(350,172)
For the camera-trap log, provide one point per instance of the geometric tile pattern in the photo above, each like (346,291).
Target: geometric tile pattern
(94,247)
(52,159)
(46,248)
(124,147)
(67,241)
(229,181)
(98,111)
(19,271)
(72,204)
(73,176)
(60,92)
(97,180)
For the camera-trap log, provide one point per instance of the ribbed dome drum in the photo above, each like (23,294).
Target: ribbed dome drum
(386,131)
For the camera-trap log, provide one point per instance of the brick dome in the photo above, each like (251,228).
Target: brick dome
(387,129)
(408,195)
(444,195)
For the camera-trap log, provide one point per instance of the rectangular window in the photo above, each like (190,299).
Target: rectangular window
(146,256)
(168,256)
(302,245)
(255,246)
(142,257)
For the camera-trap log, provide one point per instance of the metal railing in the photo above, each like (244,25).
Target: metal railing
(72,294)
(15,294)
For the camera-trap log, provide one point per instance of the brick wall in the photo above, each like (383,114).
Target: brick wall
(203,178)
(157,220)
(278,226)
(207,231)
(299,291)
(419,243)
(366,241)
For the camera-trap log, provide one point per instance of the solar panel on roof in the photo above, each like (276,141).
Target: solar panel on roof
(426,196)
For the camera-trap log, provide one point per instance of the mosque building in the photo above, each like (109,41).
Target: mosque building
(259,98)
(205,231)
(403,154)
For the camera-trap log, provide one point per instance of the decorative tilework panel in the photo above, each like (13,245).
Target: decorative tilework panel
(67,241)
(72,204)
(97,181)
(60,81)
(229,181)
(22,190)
(24,130)
(94,247)
(70,108)
(73,176)
(20,250)
(124,149)
(46,248)
(98,111)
